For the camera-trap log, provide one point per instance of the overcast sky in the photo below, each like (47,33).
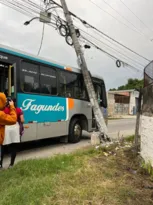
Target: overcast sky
(13,33)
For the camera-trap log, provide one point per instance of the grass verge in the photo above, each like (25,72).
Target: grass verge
(87,177)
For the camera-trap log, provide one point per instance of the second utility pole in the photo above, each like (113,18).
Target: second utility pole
(87,79)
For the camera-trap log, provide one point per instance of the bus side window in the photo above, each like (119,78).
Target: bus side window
(83,91)
(68,81)
(62,80)
(101,93)
(98,91)
(30,77)
(48,80)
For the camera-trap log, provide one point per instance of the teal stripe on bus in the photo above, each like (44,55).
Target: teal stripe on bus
(30,58)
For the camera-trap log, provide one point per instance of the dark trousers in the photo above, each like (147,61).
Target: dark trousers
(13,150)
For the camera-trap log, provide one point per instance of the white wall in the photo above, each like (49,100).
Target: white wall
(146,132)
(111,104)
(133,96)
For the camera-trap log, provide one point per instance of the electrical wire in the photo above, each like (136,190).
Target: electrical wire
(122,16)
(111,47)
(42,30)
(136,16)
(106,39)
(133,29)
(114,57)
(42,38)
(108,46)
(104,34)
(34,4)
(75,16)
(117,51)
(19,6)
(20,10)
(24,6)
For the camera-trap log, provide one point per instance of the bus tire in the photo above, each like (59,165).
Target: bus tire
(75,131)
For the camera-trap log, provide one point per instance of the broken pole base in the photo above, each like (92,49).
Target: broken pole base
(95,139)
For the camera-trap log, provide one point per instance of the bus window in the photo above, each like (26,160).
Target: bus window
(72,85)
(68,81)
(30,77)
(48,80)
(82,88)
(101,93)
(104,95)
(62,82)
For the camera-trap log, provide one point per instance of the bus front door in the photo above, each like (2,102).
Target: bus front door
(7,80)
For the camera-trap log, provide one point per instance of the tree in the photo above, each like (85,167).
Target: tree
(131,84)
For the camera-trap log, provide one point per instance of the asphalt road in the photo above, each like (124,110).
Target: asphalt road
(121,127)
(48,148)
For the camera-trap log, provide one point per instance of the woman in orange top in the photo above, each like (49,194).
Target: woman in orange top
(6,119)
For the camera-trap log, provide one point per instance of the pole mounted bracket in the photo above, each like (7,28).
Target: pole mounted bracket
(45,17)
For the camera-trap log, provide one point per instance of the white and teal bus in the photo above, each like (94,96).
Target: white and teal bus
(53,97)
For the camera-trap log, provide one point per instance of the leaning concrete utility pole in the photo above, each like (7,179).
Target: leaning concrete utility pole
(87,79)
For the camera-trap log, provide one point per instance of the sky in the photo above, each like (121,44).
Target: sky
(27,38)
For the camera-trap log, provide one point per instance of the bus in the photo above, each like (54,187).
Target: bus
(52,96)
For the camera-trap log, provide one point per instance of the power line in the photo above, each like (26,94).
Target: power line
(43,30)
(127,57)
(105,38)
(114,57)
(135,30)
(16,5)
(20,10)
(85,23)
(122,16)
(97,39)
(33,4)
(136,15)
(23,7)
(110,55)
(107,45)
(110,47)
(12,7)
(92,36)
(104,34)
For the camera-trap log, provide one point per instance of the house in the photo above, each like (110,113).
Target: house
(122,102)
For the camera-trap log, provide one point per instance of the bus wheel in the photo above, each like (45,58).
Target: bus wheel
(75,131)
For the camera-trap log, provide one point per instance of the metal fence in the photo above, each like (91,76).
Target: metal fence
(148,74)
(148,90)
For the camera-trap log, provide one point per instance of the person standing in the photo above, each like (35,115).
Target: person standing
(13,134)
(6,119)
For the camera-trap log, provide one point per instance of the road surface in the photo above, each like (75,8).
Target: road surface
(121,127)
(48,148)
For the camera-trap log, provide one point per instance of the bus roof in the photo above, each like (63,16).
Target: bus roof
(15,52)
